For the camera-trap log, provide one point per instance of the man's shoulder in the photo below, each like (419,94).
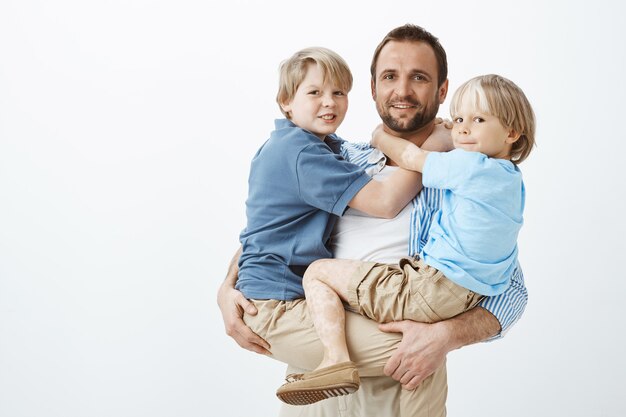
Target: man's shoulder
(356,147)
(364,155)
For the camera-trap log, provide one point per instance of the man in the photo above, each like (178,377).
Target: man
(409,82)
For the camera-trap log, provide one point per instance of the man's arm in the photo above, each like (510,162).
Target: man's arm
(509,306)
(232,304)
(424,346)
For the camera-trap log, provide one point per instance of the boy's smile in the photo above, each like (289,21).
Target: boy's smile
(477,131)
(318,105)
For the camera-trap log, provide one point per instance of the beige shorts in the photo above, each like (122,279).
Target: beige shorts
(410,290)
(287,327)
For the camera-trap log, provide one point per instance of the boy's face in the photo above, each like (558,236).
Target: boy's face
(317,106)
(406,87)
(478,131)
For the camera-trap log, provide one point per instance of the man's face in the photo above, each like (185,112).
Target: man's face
(405,88)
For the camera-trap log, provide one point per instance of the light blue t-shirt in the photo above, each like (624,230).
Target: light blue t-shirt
(473,238)
(297,187)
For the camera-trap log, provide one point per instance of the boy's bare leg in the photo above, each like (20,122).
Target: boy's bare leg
(326,285)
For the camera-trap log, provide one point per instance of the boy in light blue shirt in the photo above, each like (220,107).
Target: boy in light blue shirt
(472,244)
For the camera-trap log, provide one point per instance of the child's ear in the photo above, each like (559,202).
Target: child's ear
(286,107)
(513,136)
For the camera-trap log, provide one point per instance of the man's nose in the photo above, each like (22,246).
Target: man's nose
(403,88)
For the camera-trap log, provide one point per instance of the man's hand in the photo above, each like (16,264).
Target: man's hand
(232,304)
(422,350)
(424,346)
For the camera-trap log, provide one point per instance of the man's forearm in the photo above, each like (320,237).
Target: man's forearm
(473,326)
(509,306)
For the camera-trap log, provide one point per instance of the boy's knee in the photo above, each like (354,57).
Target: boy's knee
(314,271)
(317,267)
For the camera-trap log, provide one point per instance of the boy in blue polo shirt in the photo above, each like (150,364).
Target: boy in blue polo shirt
(299,183)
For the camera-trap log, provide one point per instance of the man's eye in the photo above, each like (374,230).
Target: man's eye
(388,77)
(418,77)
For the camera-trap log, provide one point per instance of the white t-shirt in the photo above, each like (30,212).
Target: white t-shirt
(360,236)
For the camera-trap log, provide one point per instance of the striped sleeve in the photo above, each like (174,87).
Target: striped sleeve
(357,153)
(362,154)
(425,206)
(508,306)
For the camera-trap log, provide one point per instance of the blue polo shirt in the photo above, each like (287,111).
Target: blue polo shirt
(297,187)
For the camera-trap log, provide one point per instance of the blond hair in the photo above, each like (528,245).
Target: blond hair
(502,98)
(293,71)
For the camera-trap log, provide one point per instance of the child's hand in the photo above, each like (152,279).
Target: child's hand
(377,135)
(447,123)
(440,140)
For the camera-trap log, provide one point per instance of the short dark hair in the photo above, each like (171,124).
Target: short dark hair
(414,33)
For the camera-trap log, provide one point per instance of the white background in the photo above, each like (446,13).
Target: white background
(126,131)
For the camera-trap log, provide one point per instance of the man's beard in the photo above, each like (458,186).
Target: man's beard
(421,119)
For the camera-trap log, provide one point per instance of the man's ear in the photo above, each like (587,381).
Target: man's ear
(513,136)
(373,87)
(443,91)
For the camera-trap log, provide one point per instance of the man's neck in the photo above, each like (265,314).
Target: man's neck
(417,137)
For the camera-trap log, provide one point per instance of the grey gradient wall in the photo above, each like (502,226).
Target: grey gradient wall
(126,131)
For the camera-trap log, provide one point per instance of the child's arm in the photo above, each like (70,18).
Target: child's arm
(403,152)
(387,198)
